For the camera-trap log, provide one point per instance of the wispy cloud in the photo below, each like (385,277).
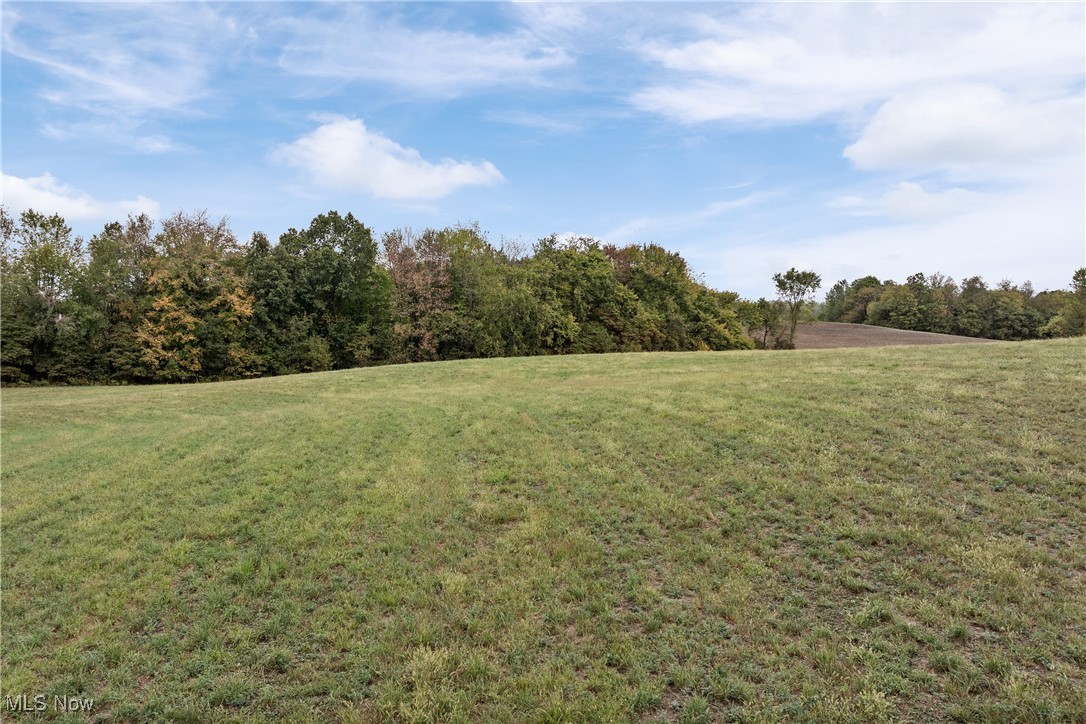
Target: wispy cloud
(978,106)
(985,236)
(342,153)
(637,229)
(135,59)
(552,19)
(123,132)
(1023,231)
(910,201)
(354,42)
(47,195)
(793,63)
(550,123)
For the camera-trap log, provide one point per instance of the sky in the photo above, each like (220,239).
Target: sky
(848,139)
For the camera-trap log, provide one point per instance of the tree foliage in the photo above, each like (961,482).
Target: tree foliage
(194,326)
(190,302)
(935,303)
(766,322)
(796,288)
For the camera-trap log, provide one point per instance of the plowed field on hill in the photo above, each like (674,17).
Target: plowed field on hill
(831,335)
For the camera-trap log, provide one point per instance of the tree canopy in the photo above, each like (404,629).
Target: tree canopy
(189,302)
(796,288)
(935,303)
(184,300)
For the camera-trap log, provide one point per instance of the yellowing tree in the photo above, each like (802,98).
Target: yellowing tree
(196,322)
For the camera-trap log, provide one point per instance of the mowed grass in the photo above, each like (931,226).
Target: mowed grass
(837,535)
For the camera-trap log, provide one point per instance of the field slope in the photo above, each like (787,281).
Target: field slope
(892,533)
(831,335)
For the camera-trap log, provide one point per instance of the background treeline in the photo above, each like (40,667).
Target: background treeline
(937,304)
(187,301)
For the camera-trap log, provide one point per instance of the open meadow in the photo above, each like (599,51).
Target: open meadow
(857,534)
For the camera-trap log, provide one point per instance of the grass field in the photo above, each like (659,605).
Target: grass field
(876,534)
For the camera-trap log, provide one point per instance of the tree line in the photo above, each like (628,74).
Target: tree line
(183,300)
(936,303)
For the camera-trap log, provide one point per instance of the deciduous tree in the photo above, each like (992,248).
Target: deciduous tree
(795,288)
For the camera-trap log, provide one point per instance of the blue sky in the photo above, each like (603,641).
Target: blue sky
(853,139)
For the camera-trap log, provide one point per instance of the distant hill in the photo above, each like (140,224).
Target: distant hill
(831,335)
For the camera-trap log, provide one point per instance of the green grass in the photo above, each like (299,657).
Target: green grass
(857,535)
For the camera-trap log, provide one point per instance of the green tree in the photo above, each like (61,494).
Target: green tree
(833,308)
(332,266)
(515,315)
(860,294)
(115,286)
(795,288)
(895,307)
(942,298)
(46,329)
(1011,318)
(765,320)
(662,282)
(1070,321)
(589,309)
(277,324)
(972,314)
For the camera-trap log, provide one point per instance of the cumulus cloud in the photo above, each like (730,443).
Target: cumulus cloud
(342,153)
(47,195)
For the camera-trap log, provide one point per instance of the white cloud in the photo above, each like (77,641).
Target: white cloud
(796,62)
(849,202)
(154,144)
(548,123)
(910,201)
(343,153)
(106,71)
(546,19)
(995,235)
(131,59)
(47,195)
(979,95)
(354,44)
(967,125)
(123,132)
(638,229)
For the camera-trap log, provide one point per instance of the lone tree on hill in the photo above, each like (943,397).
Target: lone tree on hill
(795,289)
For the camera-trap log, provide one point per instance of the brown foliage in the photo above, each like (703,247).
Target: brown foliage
(422,288)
